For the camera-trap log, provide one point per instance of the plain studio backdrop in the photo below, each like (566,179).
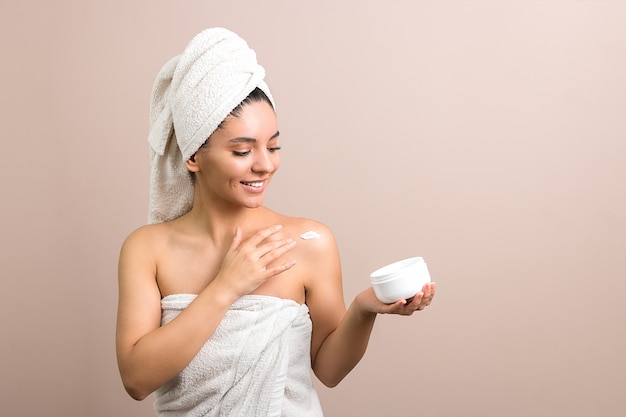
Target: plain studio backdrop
(488,137)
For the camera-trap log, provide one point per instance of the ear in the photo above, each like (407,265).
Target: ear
(191,164)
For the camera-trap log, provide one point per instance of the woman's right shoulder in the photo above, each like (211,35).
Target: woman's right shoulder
(147,236)
(141,250)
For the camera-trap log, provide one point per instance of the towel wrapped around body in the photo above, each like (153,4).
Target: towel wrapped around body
(257,363)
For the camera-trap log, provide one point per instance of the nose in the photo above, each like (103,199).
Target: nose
(264,162)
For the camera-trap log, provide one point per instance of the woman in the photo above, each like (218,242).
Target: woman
(223,307)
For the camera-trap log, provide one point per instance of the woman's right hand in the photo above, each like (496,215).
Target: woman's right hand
(248,264)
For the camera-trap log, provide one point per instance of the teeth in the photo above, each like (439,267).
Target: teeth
(253,184)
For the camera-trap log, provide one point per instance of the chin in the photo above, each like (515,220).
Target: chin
(254,204)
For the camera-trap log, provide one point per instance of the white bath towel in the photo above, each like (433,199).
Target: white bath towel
(257,363)
(193,93)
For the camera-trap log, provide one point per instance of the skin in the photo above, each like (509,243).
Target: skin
(230,245)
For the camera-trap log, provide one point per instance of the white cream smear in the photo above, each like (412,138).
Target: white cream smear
(310,235)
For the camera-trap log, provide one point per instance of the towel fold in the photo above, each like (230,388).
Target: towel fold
(193,93)
(257,363)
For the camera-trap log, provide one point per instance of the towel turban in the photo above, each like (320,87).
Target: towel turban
(193,93)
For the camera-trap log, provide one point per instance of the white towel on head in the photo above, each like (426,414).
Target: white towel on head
(193,93)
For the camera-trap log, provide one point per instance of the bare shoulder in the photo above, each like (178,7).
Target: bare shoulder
(144,244)
(316,247)
(138,265)
(309,233)
(318,260)
(145,236)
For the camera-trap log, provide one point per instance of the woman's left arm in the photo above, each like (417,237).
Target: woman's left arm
(340,337)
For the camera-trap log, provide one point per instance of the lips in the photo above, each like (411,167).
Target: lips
(254,186)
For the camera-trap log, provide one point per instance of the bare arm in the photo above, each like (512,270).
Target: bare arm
(340,337)
(150,355)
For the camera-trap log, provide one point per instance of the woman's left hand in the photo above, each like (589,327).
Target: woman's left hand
(420,301)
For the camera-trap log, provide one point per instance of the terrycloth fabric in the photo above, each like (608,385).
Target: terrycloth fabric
(257,363)
(193,93)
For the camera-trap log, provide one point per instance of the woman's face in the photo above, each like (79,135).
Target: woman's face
(240,158)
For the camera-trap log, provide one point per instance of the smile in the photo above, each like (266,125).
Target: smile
(256,184)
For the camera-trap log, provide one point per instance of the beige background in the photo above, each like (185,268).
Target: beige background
(488,137)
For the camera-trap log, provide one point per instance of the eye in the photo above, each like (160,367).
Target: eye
(274,149)
(241,153)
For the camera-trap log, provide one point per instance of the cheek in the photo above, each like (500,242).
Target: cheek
(276,162)
(230,166)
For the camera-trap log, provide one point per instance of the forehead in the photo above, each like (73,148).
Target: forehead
(256,120)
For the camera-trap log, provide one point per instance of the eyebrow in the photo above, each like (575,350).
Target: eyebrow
(251,140)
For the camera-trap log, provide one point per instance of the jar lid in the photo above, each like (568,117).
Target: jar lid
(392,270)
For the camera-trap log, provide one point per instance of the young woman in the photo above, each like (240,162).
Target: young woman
(225,309)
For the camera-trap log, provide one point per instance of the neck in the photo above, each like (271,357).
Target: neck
(220,222)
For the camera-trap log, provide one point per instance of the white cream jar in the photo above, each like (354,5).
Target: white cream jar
(400,280)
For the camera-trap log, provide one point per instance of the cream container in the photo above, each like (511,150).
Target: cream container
(400,280)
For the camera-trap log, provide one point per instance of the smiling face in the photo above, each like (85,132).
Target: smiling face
(239,159)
